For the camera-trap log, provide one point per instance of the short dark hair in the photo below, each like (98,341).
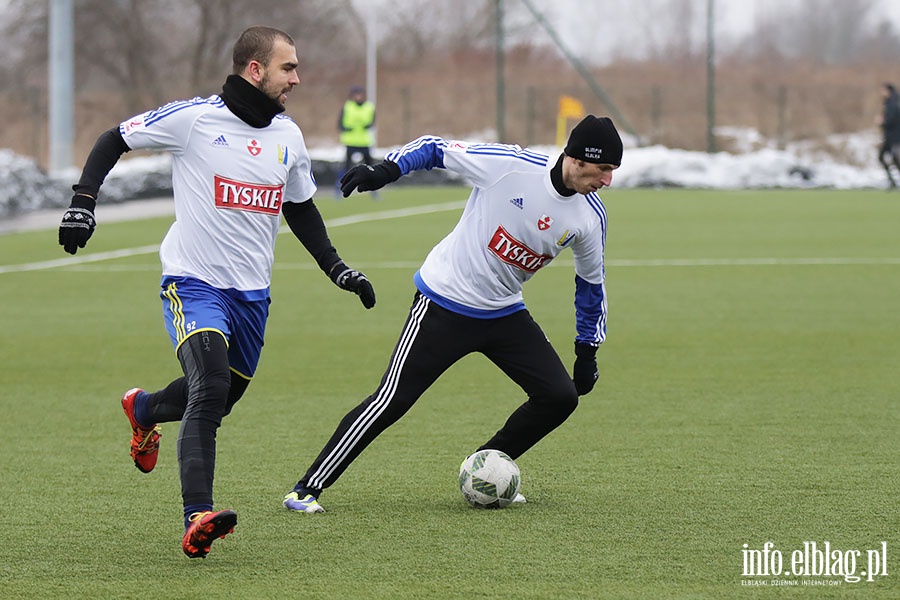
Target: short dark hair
(256,43)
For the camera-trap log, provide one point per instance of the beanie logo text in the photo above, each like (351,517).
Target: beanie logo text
(593,153)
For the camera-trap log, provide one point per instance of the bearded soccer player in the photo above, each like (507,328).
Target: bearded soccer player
(524,209)
(238,165)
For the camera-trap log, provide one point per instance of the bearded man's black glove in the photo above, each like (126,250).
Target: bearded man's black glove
(353,281)
(78,223)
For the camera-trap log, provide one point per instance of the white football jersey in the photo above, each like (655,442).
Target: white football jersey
(514,223)
(229,181)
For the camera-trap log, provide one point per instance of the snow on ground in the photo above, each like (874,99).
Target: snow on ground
(756,163)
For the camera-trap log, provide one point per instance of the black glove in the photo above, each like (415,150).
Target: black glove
(353,281)
(365,178)
(585,373)
(78,223)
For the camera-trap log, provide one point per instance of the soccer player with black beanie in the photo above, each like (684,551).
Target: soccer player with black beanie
(524,209)
(238,166)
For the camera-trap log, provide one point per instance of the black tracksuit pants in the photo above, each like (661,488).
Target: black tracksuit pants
(432,340)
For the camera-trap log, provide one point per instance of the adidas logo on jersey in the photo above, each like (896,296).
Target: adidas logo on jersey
(220,141)
(517,202)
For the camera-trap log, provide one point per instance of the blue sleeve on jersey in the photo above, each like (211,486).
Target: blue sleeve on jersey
(590,312)
(427,152)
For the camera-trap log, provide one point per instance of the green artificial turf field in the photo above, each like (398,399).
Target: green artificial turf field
(748,395)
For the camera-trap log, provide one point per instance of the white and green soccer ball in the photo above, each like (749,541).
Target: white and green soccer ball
(489,479)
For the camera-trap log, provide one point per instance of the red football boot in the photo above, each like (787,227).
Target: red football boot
(144,440)
(205,528)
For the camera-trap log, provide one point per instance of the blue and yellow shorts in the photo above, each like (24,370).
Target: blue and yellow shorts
(191,306)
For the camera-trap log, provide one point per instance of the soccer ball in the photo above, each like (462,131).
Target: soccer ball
(489,479)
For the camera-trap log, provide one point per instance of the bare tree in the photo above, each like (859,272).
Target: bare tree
(884,44)
(208,48)
(430,27)
(685,40)
(830,32)
(25,49)
(128,48)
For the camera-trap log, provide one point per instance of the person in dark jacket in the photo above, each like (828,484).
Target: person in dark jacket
(889,152)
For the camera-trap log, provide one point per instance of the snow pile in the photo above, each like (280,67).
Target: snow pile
(656,166)
(757,163)
(136,178)
(24,188)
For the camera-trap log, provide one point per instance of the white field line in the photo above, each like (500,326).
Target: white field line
(627,263)
(750,262)
(78,260)
(75,261)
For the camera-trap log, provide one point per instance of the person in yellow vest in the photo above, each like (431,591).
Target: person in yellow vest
(355,124)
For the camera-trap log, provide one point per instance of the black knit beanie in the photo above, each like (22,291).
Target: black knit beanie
(595,140)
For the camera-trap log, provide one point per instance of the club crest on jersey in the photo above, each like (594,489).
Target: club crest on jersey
(253,197)
(253,147)
(544,222)
(515,253)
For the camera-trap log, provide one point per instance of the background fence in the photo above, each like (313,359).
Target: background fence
(669,114)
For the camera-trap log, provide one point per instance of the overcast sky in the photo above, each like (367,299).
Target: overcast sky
(628,28)
(600,30)
(603,28)
(738,15)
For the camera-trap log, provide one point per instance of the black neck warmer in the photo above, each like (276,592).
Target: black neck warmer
(248,103)
(556,178)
